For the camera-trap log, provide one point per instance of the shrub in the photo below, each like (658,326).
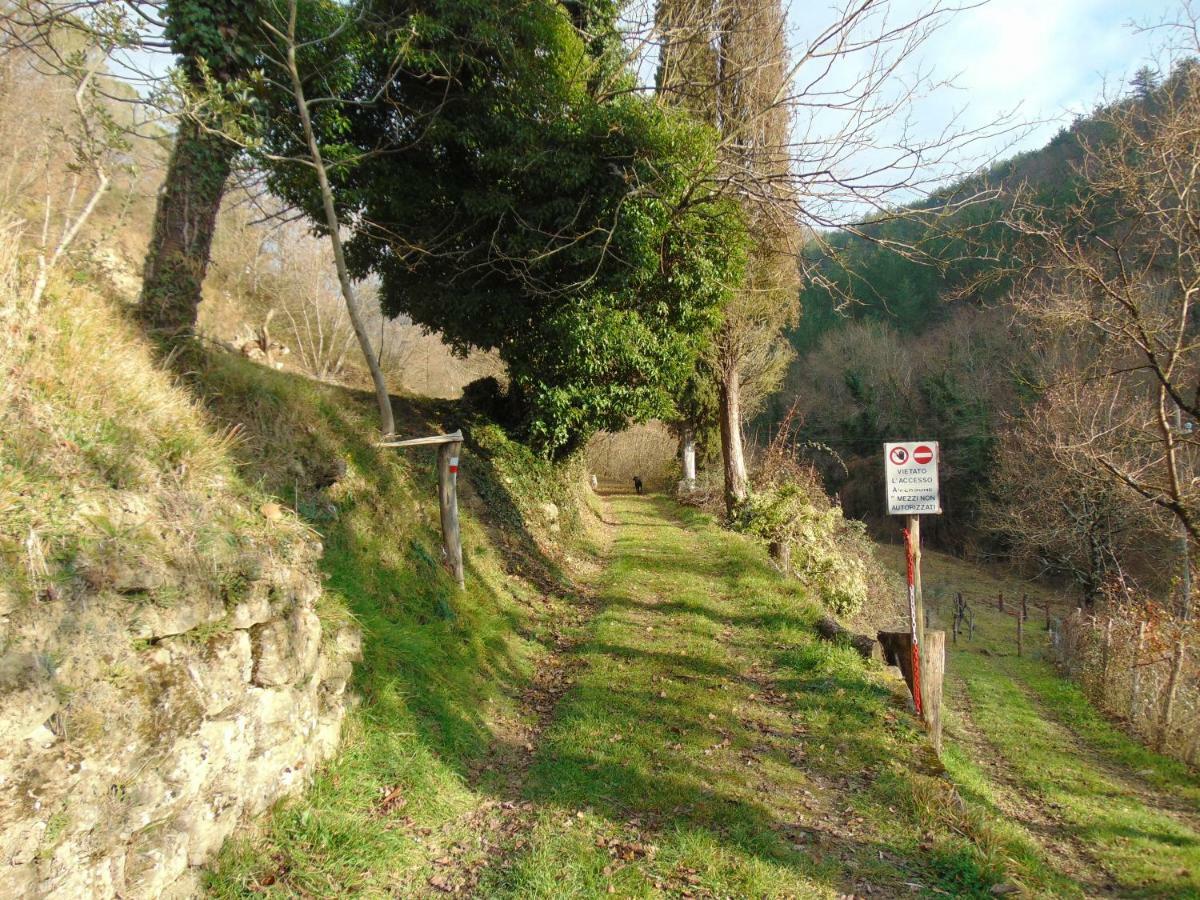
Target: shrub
(829,553)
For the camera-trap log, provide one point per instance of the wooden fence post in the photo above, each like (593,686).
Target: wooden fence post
(1000,601)
(1020,624)
(1025,606)
(449,446)
(1168,707)
(1105,654)
(1136,675)
(933,669)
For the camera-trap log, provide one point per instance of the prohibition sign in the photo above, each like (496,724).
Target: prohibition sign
(923,455)
(899,455)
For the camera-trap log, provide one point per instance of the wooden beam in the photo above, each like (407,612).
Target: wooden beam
(434,439)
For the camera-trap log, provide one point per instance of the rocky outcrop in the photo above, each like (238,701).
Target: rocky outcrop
(136,737)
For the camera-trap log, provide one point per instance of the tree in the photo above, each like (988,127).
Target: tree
(727,64)
(510,198)
(1119,277)
(813,137)
(217,43)
(287,45)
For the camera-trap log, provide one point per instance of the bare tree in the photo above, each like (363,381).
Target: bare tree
(1118,275)
(288,44)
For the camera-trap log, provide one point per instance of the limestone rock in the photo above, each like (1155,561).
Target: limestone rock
(26,699)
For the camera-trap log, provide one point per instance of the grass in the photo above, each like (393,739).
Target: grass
(1086,799)
(674,730)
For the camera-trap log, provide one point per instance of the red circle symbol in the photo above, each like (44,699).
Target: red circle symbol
(898,456)
(923,455)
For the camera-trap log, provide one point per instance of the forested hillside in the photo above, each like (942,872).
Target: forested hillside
(910,327)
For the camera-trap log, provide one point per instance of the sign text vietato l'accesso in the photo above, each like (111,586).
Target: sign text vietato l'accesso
(911,474)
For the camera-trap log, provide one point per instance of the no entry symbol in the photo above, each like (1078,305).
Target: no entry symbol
(899,455)
(923,455)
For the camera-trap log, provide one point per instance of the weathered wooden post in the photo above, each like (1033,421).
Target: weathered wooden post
(1136,675)
(1105,655)
(1020,635)
(1025,607)
(449,446)
(911,475)
(1000,601)
(1168,707)
(933,672)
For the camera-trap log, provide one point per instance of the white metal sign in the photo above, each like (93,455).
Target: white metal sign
(911,473)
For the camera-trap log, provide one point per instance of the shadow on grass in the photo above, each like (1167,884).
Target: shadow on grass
(430,652)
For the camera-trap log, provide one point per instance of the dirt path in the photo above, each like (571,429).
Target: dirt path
(707,745)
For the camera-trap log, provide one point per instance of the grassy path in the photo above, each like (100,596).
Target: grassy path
(676,731)
(1097,807)
(710,747)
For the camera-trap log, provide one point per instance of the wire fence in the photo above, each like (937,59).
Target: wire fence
(1137,663)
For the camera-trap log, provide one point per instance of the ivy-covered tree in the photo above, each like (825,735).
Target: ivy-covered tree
(218,47)
(511,195)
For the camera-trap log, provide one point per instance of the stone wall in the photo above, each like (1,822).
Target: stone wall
(135,737)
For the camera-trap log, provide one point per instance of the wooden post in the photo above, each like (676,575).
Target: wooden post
(449,446)
(933,669)
(448,501)
(1000,601)
(1168,707)
(1136,675)
(1020,627)
(781,552)
(1025,606)
(1105,655)
(914,539)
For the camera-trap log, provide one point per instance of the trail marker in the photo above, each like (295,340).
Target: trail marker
(911,480)
(449,446)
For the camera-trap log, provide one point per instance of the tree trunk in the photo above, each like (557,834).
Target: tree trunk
(387,422)
(730,390)
(184,222)
(688,449)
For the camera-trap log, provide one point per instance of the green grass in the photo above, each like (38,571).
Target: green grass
(1131,813)
(705,740)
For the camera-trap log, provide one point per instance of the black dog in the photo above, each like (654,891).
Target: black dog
(637,483)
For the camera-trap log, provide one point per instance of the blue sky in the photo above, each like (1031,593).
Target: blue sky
(1041,62)
(1049,59)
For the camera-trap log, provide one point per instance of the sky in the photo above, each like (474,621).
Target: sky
(1035,64)
(1041,62)
(1047,59)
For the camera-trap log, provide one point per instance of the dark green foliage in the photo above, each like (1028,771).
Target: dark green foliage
(220,39)
(509,200)
(953,374)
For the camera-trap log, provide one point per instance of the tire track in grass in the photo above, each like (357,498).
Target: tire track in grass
(1060,845)
(485,837)
(1146,851)
(1088,745)
(681,744)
